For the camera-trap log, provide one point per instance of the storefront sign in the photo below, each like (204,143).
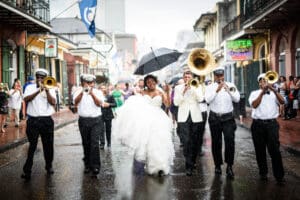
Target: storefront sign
(239,50)
(51,47)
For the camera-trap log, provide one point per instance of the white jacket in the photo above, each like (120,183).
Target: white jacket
(188,103)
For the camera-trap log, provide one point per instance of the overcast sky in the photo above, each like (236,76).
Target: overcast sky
(155,22)
(158,21)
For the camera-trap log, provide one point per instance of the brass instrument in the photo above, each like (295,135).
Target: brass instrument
(271,77)
(201,61)
(4,87)
(194,82)
(49,82)
(232,89)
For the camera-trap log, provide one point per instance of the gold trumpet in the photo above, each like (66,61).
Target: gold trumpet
(271,77)
(49,82)
(201,61)
(194,82)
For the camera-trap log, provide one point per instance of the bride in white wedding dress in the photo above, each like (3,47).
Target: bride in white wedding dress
(146,129)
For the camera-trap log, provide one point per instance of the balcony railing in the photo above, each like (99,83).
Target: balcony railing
(252,9)
(37,8)
(249,10)
(232,27)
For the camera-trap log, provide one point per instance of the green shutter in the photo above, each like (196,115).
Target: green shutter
(21,74)
(5,62)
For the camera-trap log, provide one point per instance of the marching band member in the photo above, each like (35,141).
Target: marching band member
(265,128)
(189,119)
(40,101)
(220,97)
(89,101)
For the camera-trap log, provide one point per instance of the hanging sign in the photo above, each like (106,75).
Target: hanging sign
(51,47)
(239,50)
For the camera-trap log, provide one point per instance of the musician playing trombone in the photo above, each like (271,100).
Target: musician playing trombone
(220,95)
(265,128)
(40,106)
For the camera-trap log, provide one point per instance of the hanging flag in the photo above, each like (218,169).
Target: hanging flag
(88,13)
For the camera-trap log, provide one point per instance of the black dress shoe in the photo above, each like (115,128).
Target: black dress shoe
(95,171)
(160,173)
(264,177)
(50,171)
(87,170)
(26,176)
(218,170)
(189,172)
(229,172)
(280,181)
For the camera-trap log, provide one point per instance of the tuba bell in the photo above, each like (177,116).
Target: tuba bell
(201,61)
(271,77)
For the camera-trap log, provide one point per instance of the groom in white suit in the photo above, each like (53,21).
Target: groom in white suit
(187,99)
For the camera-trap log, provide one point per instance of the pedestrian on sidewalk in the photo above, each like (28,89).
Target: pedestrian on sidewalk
(40,101)
(15,102)
(89,100)
(4,95)
(220,96)
(265,128)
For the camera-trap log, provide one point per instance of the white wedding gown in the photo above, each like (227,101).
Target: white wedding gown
(143,126)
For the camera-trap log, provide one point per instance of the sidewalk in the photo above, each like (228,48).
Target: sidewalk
(15,136)
(289,132)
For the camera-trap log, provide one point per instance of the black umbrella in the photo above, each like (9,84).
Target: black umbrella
(175,80)
(156,60)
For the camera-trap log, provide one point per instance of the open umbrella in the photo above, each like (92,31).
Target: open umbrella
(156,60)
(174,80)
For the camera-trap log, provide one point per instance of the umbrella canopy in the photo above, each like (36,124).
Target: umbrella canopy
(156,60)
(175,80)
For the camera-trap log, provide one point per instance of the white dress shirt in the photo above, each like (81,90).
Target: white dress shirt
(39,106)
(87,106)
(221,102)
(268,107)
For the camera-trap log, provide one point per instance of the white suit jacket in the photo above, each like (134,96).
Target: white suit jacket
(188,103)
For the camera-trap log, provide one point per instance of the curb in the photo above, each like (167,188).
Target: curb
(24,140)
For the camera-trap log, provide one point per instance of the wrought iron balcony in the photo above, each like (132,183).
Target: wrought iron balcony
(231,28)
(37,8)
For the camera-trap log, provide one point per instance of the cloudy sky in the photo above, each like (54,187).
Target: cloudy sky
(156,22)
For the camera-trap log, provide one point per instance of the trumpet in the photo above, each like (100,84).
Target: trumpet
(86,89)
(194,82)
(48,83)
(271,77)
(4,87)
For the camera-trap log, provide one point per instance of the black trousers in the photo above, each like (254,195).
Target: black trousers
(90,129)
(202,129)
(190,137)
(107,126)
(36,126)
(265,135)
(226,125)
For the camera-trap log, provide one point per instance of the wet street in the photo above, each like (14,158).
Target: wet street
(115,182)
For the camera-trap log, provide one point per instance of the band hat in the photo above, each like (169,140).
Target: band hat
(186,69)
(261,76)
(41,72)
(219,71)
(87,77)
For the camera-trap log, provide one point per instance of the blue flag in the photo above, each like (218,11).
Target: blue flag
(88,13)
